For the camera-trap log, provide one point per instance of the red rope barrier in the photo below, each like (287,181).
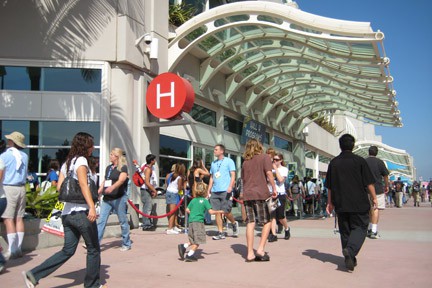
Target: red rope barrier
(153,216)
(237,200)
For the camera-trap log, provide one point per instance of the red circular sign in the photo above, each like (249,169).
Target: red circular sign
(168,95)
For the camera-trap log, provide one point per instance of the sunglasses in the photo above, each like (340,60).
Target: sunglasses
(276,159)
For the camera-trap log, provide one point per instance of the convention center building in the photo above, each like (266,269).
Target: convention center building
(235,70)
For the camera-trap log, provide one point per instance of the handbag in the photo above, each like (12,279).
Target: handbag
(272,204)
(70,190)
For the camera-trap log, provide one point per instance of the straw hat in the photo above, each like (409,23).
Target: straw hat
(17,138)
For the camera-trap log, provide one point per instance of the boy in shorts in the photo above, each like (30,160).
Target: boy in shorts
(196,234)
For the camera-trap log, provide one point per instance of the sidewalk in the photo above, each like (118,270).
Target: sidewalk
(311,258)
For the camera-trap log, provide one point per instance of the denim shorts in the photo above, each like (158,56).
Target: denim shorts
(171,198)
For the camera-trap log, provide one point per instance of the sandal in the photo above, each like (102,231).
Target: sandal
(262,258)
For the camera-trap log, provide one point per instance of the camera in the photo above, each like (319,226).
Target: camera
(148,39)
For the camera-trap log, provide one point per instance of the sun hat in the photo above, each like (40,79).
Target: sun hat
(17,138)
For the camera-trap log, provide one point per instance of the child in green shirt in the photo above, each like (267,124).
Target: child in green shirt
(196,234)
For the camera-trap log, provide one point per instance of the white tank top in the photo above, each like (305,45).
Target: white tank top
(173,186)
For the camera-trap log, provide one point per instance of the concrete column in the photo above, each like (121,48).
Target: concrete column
(299,157)
(316,166)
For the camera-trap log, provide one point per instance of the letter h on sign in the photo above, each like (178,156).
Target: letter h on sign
(159,95)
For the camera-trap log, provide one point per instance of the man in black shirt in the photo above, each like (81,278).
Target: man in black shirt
(347,181)
(379,170)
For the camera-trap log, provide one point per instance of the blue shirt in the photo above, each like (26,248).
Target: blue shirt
(220,171)
(52,176)
(14,176)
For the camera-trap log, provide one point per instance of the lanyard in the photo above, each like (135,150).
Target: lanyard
(109,172)
(220,164)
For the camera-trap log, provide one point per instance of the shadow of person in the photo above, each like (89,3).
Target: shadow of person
(240,249)
(78,277)
(325,257)
(110,245)
(27,257)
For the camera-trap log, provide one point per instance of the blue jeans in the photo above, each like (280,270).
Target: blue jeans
(119,206)
(75,225)
(146,199)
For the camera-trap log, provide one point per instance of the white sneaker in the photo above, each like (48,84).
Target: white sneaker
(125,248)
(27,281)
(171,232)
(177,229)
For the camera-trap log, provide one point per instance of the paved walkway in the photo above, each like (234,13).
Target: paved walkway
(311,258)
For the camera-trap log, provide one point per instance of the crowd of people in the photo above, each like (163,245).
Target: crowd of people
(355,189)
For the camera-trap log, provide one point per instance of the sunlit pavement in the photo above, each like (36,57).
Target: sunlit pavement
(311,258)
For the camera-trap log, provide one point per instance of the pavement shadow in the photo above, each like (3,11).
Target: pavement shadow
(78,276)
(240,249)
(110,245)
(27,257)
(326,258)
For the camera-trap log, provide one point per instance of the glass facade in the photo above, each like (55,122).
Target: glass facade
(232,125)
(48,140)
(203,115)
(283,144)
(50,79)
(172,151)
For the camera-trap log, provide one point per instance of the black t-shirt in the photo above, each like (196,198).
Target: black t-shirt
(347,177)
(111,173)
(398,186)
(378,170)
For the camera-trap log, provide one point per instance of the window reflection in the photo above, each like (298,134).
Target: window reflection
(50,79)
(282,144)
(49,140)
(203,115)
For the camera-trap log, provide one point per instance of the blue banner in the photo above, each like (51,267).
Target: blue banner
(252,130)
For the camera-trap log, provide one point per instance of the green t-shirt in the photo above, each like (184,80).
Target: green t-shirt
(198,206)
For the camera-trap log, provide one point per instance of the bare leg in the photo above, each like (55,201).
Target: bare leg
(273,226)
(264,235)
(171,219)
(219,222)
(250,228)
(230,217)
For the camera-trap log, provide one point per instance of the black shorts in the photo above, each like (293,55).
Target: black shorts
(279,213)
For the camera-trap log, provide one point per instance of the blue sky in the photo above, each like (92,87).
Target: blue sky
(407,26)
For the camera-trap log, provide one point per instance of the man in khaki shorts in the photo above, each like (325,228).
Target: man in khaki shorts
(15,175)
(380,172)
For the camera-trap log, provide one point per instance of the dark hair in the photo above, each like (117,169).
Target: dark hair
(54,164)
(150,158)
(93,163)
(373,150)
(2,146)
(221,146)
(80,144)
(346,142)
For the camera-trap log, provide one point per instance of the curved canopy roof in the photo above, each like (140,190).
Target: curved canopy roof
(398,161)
(291,64)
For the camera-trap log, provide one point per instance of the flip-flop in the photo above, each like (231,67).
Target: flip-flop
(262,258)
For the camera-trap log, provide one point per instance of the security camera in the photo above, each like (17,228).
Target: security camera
(148,39)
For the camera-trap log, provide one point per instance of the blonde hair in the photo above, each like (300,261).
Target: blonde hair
(271,151)
(253,147)
(121,157)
